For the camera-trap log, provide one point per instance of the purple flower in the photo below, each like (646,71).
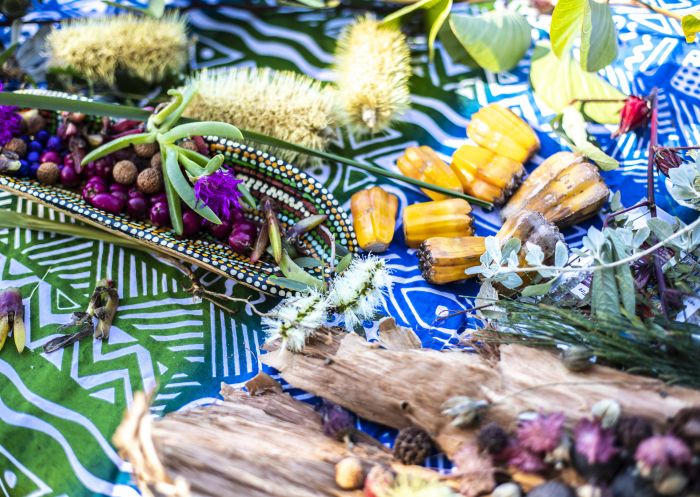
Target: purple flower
(219,192)
(593,442)
(523,459)
(10,122)
(12,317)
(662,451)
(335,419)
(543,433)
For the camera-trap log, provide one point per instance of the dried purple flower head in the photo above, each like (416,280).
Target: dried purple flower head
(634,114)
(219,191)
(543,433)
(523,459)
(10,122)
(594,442)
(686,425)
(336,420)
(664,451)
(12,317)
(632,430)
(666,159)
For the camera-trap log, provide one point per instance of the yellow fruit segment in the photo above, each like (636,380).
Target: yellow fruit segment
(499,130)
(485,174)
(448,218)
(422,163)
(374,218)
(445,260)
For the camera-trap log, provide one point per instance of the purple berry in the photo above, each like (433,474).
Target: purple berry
(93,188)
(97,179)
(90,170)
(69,177)
(42,137)
(54,143)
(160,214)
(50,156)
(117,187)
(191,223)
(124,154)
(137,207)
(242,236)
(103,167)
(220,231)
(159,197)
(35,146)
(23,168)
(33,156)
(134,192)
(33,168)
(68,160)
(108,202)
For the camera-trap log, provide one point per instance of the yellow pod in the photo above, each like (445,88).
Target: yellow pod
(498,129)
(486,175)
(422,163)
(448,218)
(445,260)
(374,218)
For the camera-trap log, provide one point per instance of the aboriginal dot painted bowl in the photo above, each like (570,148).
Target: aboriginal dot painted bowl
(298,195)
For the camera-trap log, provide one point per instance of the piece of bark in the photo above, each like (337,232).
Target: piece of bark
(395,337)
(400,388)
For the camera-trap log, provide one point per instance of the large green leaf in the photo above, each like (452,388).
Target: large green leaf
(436,14)
(574,126)
(557,82)
(691,26)
(155,9)
(496,40)
(592,21)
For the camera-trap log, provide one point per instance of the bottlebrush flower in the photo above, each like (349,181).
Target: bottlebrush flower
(12,317)
(281,104)
(149,49)
(666,159)
(219,191)
(373,65)
(664,451)
(10,122)
(356,294)
(295,319)
(634,114)
(542,433)
(593,442)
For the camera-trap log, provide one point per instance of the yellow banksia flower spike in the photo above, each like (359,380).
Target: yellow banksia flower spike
(498,129)
(372,68)
(424,164)
(485,174)
(565,189)
(446,218)
(445,260)
(374,218)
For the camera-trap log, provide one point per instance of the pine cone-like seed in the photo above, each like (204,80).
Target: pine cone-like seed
(412,445)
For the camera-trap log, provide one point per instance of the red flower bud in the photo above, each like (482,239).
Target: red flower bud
(634,114)
(666,159)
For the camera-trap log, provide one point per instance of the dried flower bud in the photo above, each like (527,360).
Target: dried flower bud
(125,172)
(543,433)
(661,451)
(686,425)
(492,438)
(336,420)
(507,490)
(671,483)
(12,317)
(631,431)
(634,114)
(8,164)
(16,145)
(463,410)
(552,489)
(577,358)
(349,474)
(149,181)
(412,445)
(607,411)
(666,159)
(48,173)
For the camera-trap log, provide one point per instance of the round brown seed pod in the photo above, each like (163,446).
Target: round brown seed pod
(149,181)
(125,172)
(146,150)
(156,162)
(48,173)
(189,145)
(412,445)
(18,146)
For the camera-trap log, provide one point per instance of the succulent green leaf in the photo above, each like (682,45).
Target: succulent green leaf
(214,164)
(295,273)
(183,188)
(192,168)
(249,199)
(118,144)
(173,200)
(558,82)
(344,263)
(437,12)
(208,128)
(194,156)
(574,126)
(691,26)
(496,40)
(185,97)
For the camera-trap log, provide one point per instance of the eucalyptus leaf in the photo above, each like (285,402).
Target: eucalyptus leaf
(344,263)
(561,254)
(511,247)
(575,127)
(537,290)
(660,228)
(496,40)
(691,26)
(437,12)
(294,272)
(558,82)
(534,255)
(605,298)
(623,274)
(307,262)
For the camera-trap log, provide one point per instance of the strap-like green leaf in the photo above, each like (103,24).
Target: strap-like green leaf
(184,189)
(7,53)
(208,128)
(118,144)
(214,164)
(344,263)
(247,197)
(496,40)
(173,199)
(691,26)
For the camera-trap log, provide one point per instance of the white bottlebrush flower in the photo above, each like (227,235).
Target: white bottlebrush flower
(295,319)
(356,294)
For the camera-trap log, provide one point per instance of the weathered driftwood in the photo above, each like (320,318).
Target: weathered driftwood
(402,387)
(264,445)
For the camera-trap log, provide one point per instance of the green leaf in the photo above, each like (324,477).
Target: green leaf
(574,126)
(691,26)
(557,82)
(208,128)
(623,274)
(537,290)
(437,12)
(294,272)
(118,144)
(249,199)
(307,262)
(604,294)
(496,40)
(592,21)
(289,284)
(173,200)
(192,168)
(155,9)
(344,263)
(7,53)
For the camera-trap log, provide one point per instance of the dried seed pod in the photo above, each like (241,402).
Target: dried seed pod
(686,425)
(412,445)
(146,150)
(156,161)
(446,218)
(372,72)
(149,181)
(48,173)
(349,474)
(509,489)
(608,411)
(485,174)
(463,410)
(12,317)
(422,163)
(552,489)
(125,172)
(498,129)
(444,260)
(18,146)
(564,188)
(492,438)
(631,431)
(374,218)
(577,358)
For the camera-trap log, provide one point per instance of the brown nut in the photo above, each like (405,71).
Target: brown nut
(146,150)
(125,172)
(48,173)
(156,162)
(349,474)
(18,146)
(189,145)
(149,181)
